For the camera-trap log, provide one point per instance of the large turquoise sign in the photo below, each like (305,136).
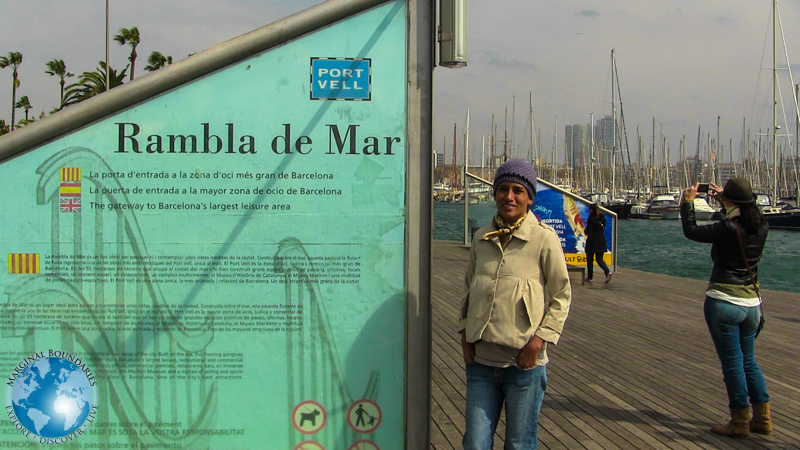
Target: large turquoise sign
(226,258)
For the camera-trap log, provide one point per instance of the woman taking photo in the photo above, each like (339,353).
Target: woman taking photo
(733,306)
(596,244)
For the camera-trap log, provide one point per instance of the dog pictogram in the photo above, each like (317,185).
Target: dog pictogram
(309,417)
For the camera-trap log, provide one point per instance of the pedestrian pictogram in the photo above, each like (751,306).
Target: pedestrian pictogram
(309,445)
(364,416)
(364,444)
(309,417)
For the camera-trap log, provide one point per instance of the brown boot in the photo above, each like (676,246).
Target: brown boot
(738,427)
(761,423)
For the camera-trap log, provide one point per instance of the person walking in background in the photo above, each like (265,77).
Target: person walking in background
(596,244)
(505,320)
(733,304)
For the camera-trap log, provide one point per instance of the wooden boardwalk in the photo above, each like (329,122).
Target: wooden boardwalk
(634,369)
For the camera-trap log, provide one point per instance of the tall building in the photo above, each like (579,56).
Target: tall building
(577,139)
(604,133)
(604,140)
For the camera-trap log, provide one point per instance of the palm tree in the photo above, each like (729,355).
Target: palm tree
(25,104)
(57,67)
(129,36)
(93,83)
(14,59)
(3,127)
(156,61)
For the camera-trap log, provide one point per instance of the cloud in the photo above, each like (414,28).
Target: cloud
(493,59)
(587,13)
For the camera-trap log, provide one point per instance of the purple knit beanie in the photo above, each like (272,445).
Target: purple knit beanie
(517,171)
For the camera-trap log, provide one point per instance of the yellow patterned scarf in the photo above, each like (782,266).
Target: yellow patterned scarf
(504,230)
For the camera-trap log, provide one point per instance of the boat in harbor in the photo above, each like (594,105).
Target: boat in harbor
(621,208)
(660,207)
(786,219)
(702,210)
(779,215)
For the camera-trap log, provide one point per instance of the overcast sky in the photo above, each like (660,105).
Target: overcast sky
(682,62)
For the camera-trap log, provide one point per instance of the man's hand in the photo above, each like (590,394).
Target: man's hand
(467,348)
(526,358)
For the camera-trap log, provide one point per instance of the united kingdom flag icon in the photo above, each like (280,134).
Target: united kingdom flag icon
(71,205)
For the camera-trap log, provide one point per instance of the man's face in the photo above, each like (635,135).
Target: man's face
(512,201)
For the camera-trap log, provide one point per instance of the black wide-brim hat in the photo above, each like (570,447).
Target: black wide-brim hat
(738,190)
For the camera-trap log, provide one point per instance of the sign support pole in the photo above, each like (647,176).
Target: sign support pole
(419,210)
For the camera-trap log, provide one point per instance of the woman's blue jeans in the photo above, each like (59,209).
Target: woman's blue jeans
(733,330)
(590,259)
(488,388)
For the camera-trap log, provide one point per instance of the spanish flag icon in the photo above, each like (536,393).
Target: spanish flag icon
(23,263)
(70,190)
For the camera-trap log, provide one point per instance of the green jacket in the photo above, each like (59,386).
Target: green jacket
(504,301)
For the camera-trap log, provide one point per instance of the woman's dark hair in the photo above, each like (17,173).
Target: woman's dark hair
(750,217)
(593,209)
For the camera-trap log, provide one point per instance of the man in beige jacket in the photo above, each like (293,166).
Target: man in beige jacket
(506,322)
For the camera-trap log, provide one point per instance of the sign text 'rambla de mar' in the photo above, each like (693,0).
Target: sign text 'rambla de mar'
(344,140)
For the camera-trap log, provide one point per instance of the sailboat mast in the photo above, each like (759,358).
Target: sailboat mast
(483,155)
(466,143)
(613,133)
(513,124)
(697,166)
(682,156)
(533,153)
(455,150)
(466,183)
(720,160)
(639,161)
(666,159)
(555,150)
(569,154)
(505,137)
(492,140)
(774,104)
(591,152)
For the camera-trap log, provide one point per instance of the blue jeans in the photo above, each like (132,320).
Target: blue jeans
(733,330)
(488,388)
(590,258)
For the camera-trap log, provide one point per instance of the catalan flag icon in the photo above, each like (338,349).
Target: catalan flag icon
(23,263)
(70,174)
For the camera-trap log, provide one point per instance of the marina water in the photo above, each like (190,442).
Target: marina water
(656,246)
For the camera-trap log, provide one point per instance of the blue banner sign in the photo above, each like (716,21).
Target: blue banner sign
(569,217)
(341,79)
